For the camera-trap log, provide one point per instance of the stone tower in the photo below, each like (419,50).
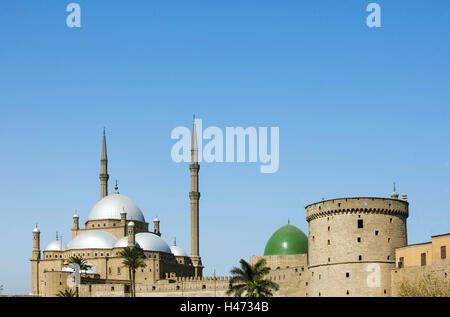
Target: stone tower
(156,227)
(35,259)
(76,225)
(194,196)
(351,245)
(104,176)
(131,235)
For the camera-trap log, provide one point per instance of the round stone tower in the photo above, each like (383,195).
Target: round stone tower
(351,245)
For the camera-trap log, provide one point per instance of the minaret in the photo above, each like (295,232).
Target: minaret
(76,224)
(36,254)
(156,226)
(131,235)
(104,169)
(35,260)
(194,196)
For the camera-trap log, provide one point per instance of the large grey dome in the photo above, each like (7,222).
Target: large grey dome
(112,205)
(56,245)
(146,241)
(92,239)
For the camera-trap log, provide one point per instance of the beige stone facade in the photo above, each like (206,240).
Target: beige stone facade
(417,260)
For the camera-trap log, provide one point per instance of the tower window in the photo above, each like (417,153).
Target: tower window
(328,228)
(359,239)
(376,232)
(360,257)
(389,257)
(390,220)
(347,274)
(328,242)
(329,259)
(389,240)
(443,252)
(348,293)
(360,224)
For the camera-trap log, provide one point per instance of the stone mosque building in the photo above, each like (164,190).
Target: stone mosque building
(355,247)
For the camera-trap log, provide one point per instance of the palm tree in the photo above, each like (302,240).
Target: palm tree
(82,264)
(133,258)
(250,279)
(66,293)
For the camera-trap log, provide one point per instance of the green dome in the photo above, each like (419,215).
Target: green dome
(287,240)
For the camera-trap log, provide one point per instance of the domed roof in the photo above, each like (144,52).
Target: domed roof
(147,241)
(287,240)
(92,239)
(56,245)
(177,251)
(112,205)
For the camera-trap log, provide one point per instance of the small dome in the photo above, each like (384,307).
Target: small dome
(177,251)
(111,206)
(131,224)
(56,245)
(147,241)
(156,220)
(36,230)
(287,240)
(394,195)
(92,269)
(75,215)
(92,239)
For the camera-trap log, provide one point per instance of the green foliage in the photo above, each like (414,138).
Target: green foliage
(426,286)
(82,263)
(250,280)
(133,259)
(66,293)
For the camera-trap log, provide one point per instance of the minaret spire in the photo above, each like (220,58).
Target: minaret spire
(194,196)
(104,176)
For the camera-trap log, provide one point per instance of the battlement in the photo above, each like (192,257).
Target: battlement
(377,205)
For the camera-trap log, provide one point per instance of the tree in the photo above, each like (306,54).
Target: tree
(133,259)
(425,286)
(250,279)
(66,293)
(82,264)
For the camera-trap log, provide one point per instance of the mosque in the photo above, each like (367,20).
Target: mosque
(355,246)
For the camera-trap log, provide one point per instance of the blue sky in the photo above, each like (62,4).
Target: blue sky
(358,108)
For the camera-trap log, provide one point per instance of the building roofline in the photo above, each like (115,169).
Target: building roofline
(362,197)
(441,235)
(414,244)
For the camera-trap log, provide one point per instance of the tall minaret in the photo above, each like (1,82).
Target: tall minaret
(35,261)
(194,195)
(104,169)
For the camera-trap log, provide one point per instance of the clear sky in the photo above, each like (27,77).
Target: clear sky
(358,108)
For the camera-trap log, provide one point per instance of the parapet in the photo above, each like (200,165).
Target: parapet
(378,205)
